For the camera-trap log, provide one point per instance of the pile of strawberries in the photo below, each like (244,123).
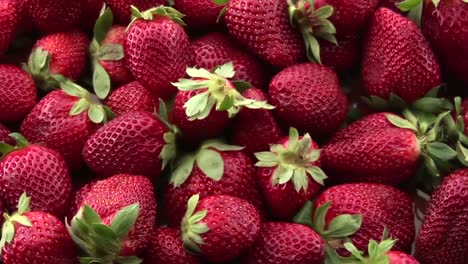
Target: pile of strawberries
(234,131)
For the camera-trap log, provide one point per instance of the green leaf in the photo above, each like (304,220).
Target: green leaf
(96,113)
(128,260)
(344,226)
(23,204)
(196,104)
(124,220)
(101,81)
(103,25)
(211,163)
(313,48)
(73,89)
(183,170)
(226,104)
(441,151)
(219,145)
(304,216)
(400,122)
(111,52)
(220,2)
(396,102)
(21,141)
(90,216)
(462,154)
(432,105)
(376,103)
(416,13)
(317,174)
(104,232)
(431,166)
(408,5)
(241,86)
(79,107)
(319,218)
(226,70)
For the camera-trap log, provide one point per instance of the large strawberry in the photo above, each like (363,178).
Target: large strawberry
(308,97)
(131,97)
(122,10)
(35,237)
(220,227)
(52,16)
(4,135)
(157,49)
(200,13)
(18,93)
(9,19)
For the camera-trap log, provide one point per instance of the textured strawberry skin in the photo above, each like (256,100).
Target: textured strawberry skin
(122,11)
(131,97)
(4,135)
(52,16)
(46,241)
(131,143)
(215,49)
(397,257)
(442,238)
(199,13)
(157,53)
(341,57)
(8,22)
(380,206)
(398,59)
(285,243)
(308,97)
(17,93)
(42,174)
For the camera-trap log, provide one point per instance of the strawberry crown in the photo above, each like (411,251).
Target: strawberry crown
(8,229)
(377,251)
(191,225)
(456,132)
(38,66)
(154,12)
(415,8)
(294,162)
(6,149)
(169,151)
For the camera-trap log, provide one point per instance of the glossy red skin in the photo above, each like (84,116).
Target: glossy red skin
(17,93)
(50,16)
(90,13)
(131,97)
(41,173)
(446,30)
(264,28)
(308,97)
(255,129)
(234,226)
(121,8)
(380,206)
(215,49)
(109,196)
(166,246)
(46,241)
(157,53)
(238,180)
(397,257)
(117,70)
(199,13)
(50,124)
(131,143)
(4,135)
(442,238)
(398,59)
(24,21)
(69,52)
(285,243)
(342,57)
(9,20)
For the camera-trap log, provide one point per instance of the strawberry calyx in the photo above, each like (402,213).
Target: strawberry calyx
(191,226)
(8,229)
(216,91)
(154,12)
(456,132)
(38,66)
(415,8)
(293,161)
(313,23)
(377,251)
(169,151)
(21,143)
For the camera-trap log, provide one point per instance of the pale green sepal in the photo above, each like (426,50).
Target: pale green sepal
(161,10)
(21,141)
(8,229)
(226,70)
(73,89)
(103,24)
(400,122)
(38,66)
(304,216)
(169,151)
(96,113)
(23,204)
(219,145)
(191,227)
(111,52)
(101,81)
(183,170)
(124,220)
(79,107)
(210,163)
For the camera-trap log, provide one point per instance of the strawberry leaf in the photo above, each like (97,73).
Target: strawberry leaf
(183,170)
(79,107)
(462,154)
(304,216)
(441,151)
(103,25)
(90,216)
(400,122)
(124,220)
(210,163)
(101,81)
(111,52)
(343,226)
(96,113)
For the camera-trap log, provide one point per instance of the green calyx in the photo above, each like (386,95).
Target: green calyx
(207,158)
(154,12)
(39,67)
(313,23)
(102,244)
(377,251)
(455,131)
(217,91)
(8,229)
(293,162)
(191,227)
(6,149)
(169,151)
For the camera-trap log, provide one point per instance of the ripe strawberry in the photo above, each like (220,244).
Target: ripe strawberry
(200,13)
(39,171)
(9,20)
(166,246)
(308,97)
(35,237)
(18,94)
(442,237)
(52,16)
(131,97)
(344,56)
(215,168)
(398,59)
(25,24)
(122,11)
(4,135)
(289,174)
(303,245)
(157,49)
(214,49)
(220,227)
(398,257)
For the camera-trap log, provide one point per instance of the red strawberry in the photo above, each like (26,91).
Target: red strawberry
(38,171)
(9,19)
(166,246)
(35,237)
(285,243)
(289,174)
(220,227)
(4,135)
(215,168)
(308,97)
(25,24)
(390,4)
(131,97)
(442,238)
(157,49)
(344,56)
(214,49)
(397,257)
(398,59)
(18,94)
(122,10)
(52,16)
(200,13)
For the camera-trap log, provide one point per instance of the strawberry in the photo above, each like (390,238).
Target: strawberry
(220,227)
(90,13)
(18,94)
(131,97)
(122,10)
(285,243)
(52,16)
(9,20)
(214,49)
(289,174)
(157,49)
(341,57)
(35,237)
(215,168)
(166,246)
(391,4)
(4,135)
(308,97)
(39,171)
(442,237)
(398,59)
(200,13)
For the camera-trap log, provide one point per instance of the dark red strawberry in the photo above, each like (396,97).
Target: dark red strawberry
(308,97)
(52,16)
(166,246)
(35,237)
(131,97)
(344,56)
(39,171)
(25,24)
(285,243)
(4,135)
(122,10)
(200,14)
(398,59)
(90,13)
(220,227)
(442,237)
(9,20)
(18,94)
(157,49)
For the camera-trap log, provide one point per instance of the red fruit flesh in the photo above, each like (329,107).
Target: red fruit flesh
(341,57)
(4,135)
(397,257)
(131,97)
(199,14)
(122,11)
(9,20)
(52,16)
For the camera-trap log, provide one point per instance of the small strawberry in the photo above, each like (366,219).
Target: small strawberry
(4,135)
(200,13)
(9,20)
(131,97)
(220,227)
(52,16)
(122,10)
